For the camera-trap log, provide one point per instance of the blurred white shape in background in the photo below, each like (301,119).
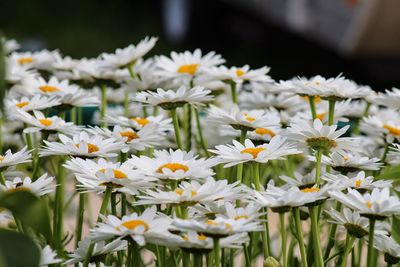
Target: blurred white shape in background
(175,19)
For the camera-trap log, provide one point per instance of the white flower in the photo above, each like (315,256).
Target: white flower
(138,227)
(17,74)
(39,122)
(148,136)
(100,248)
(387,245)
(128,55)
(260,100)
(41,186)
(237,74)
(48,257)
(10,45)
(97,175)
(350,162)
(237,153)
(138,123)
(192,193)
(12,159)
(359,182)
(299,180)
(319,136)
(376,204)
(243,120)
(42,60)
(37,102)
(169,99)
(390,99)
(385,125)
(186,65)
(82,145)
(173,165)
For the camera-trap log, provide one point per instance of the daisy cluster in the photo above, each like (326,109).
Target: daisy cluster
(194,161)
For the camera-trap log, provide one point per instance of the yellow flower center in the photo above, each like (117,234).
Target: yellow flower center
(238,217)
(250,119)
(202,237)
(346,158)
(91,147)
(393,130)
(317,99)
(141,121)
(211,222)
(254,151)
(173,167)
(310,189)
(358,182)
(1,158)
(180,191)
(117,173)
(129,134)
(263,131)
(19,189)
(48,89)
(46,122)
(132,224)
(321,116)
(369,204)
(22,104)
(240,72)
(188,68)
(24,60)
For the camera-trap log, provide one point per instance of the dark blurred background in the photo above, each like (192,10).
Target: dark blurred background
(360,38)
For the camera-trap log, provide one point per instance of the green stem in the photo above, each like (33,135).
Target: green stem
(312,107)
(300,237)
(332,234)
(36,169)
(103,107)
(331,116)
(188,129)
(316,236)
(197,260)
(185,258)
(239,169)
(2,178)
(356,129)
(348,247)
(126,103)
(246,256)
(370,256)
(234,92)
(103,210)
(79,218)
(217,251)
(59,204)
(256,173)
(200,132)
(283,236)
(385,152)
(318,167)
(175,121)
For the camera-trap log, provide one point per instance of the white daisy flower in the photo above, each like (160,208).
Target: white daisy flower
(192,193)
(378,204)
(385,124)
(303,86)
(237,153)
(170,99)
(48,257)
(394,153)
(321,137)
(10,45)
(11,159)
(173,165)
(164,124)
(42,60)
(250,212)
(237,74)
(359,182)
(128,55)
(208,210)
(37,102)
(350,162)
(17,74)
(283,101)
(138,227)
(390,98)
(243,120)
(186,65)
(39,122)
(299,180)
(219,227)
(389,246)
(82,145)
(148,136)
(41,186)
(97,175)
(100,248)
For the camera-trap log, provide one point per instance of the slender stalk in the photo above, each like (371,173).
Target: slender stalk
(348,247)
(312,107)
(1,129)
(318,167)
(188,129)
(59,203)
(79,218)
(246,256)
(217,251)
(332,234)
(385,152)
(316,236)
(175,121)
(283,237)
(103,210)
(200,132)
(36,169)
(103,107)
(239,169)
(356,129)
(370,256)
(234,92)
(126,103)
(231,257)
(198,260)
(256,175)
(300,237)
(331,116)
(2,178)
(185,258)
(135,254)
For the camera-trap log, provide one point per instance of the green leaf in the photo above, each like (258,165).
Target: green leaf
(391,173)
(396,228)
(17,249)
(30,210)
